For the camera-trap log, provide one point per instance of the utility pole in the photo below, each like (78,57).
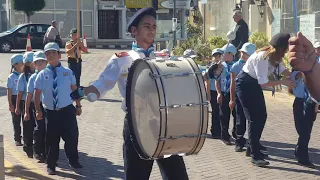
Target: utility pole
(78,17)
(174,30)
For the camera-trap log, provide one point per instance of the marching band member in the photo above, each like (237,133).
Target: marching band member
(304,116)
(223,91)
(55,83)
(246,51)
(74,47)
(28,124)
(12,92)
(212,93)
(39,63)
(143,27)
(249,83)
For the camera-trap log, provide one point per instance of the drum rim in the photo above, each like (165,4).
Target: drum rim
(133,138)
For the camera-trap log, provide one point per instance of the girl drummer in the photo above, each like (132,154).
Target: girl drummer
(249,83)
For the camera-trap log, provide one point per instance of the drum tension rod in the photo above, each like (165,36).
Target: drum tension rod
(206,103)
(155,76)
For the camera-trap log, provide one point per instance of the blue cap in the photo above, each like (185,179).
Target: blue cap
(51,47)
(217,51)
(139,14)
(248,48)
(28,57)
(16,58)
(39,55)
(230,49)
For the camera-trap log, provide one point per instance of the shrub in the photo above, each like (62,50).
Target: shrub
(260,39)
(216,42)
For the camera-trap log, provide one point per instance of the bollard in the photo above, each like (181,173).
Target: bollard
(167,44)
(158,46)
(1,158)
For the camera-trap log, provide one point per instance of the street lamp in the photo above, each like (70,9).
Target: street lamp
(261,5)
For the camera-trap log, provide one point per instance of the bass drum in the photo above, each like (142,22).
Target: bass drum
(167,107)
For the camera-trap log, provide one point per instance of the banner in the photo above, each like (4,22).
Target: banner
(162,4)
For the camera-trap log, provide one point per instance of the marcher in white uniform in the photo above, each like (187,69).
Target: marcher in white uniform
(253,76)
(143,27)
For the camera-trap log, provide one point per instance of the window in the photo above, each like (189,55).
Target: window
(24,30)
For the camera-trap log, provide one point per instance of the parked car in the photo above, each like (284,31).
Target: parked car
(16,38)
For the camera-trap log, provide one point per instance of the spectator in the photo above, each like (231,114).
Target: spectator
(241,30)
(52,34)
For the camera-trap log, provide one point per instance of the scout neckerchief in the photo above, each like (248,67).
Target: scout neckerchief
(16,73)
(55,85)
(241,61)
(75,51)
(147,53)
(227,80)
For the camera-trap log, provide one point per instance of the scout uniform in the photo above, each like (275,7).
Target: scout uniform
(248,89)
(40,129)
(215,120)
(225,111)
(304,116)
(28,126)
(74,58)
(55,84)
(249,49)
(116,72)
(12,84)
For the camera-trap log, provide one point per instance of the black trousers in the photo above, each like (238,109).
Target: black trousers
(39,134)
(224,113)
(240,123)
(215,119)
(76,68)
(62,123)
(16,119)
(28,128)
(303,122)
(172,168)
(252,100)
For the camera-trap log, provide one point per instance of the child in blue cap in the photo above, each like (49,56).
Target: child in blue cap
(28,125)
(223,91)
(56,83)
(304,113)
(246,51)
(39,63)
(212,96)
(12,92)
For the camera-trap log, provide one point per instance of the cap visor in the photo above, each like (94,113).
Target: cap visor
(50,49)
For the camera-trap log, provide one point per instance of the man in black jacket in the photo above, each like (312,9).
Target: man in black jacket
(241,30)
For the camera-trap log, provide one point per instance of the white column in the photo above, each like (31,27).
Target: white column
(11,14)
(95,19)
(123,23)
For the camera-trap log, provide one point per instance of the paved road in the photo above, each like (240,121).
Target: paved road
(100,142)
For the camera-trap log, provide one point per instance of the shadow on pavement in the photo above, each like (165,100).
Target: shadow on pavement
(22,172)
(93,167)
(286,151)
(3,91)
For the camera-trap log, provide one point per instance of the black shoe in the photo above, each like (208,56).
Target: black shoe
(40,158)
(226,141)
(51,171)
(306,163)
(248,152)
(75,165)
(18,143)
(259,162)
(238,148)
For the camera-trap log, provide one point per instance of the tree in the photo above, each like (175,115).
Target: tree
(29,7)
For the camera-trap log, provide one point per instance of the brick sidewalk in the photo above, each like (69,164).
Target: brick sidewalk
(100,142)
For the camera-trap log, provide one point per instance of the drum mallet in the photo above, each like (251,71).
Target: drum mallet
(1,158)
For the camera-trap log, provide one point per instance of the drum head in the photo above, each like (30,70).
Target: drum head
(142,101)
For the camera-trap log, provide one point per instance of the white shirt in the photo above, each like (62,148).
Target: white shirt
(116,71)
(52,33)
(259,68)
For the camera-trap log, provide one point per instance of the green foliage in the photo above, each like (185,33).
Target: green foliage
(260,39)
(216,42)
(29,7)
(193,30)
